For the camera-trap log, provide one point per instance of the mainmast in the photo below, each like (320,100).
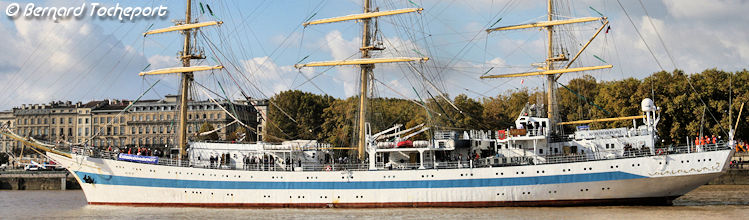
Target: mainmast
(552,58)
(365,71)
(366,63)
(184,86)
(186,71)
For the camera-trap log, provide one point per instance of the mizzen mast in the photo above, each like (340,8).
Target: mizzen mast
(552,59)
(186,71)
(366,63)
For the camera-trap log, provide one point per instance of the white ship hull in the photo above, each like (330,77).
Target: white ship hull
(644,180)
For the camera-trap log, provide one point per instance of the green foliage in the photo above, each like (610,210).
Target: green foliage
(205,127)
(335,120)
(241,132)
(304,108)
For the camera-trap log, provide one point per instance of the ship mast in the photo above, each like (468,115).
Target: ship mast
(549,70)
(366,63)
(365,72)
(186,71)
(551,106)
(184,86)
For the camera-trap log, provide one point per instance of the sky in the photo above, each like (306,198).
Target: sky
(93,58)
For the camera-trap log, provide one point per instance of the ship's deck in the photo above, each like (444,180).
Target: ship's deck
(480,163)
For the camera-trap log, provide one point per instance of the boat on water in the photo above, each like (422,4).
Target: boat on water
(531,164)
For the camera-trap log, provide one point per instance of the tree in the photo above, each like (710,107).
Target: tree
(296,115)
(206,127)
(240,133)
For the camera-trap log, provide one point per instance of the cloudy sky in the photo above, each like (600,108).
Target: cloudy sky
(88,58)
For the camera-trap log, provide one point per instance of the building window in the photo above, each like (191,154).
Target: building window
(86,131)
(70,120)
(96,120)
(80,121)
(86,120)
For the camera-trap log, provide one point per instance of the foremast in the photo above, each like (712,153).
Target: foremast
(366,63)
(549,70)
(186,71)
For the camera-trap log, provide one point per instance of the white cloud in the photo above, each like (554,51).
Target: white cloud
(341,49)
(72,60)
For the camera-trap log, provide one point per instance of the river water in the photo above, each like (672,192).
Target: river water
(706,202)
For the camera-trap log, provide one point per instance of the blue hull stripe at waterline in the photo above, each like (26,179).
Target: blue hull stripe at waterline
(411,184)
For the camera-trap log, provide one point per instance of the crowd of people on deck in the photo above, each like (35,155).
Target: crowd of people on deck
(137,150)
(706,140)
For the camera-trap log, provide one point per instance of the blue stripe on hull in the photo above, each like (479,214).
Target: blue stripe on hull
(454,183)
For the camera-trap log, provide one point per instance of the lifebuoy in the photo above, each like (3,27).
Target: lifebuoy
(659,151)
(328,168)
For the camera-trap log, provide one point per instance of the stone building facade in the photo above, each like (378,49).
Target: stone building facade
(110,123)
(6,119)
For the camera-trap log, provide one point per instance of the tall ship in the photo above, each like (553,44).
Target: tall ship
(531,164)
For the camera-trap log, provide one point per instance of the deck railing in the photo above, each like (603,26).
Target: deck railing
(484,162)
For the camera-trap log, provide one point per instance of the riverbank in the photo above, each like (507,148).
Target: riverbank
(37,180)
